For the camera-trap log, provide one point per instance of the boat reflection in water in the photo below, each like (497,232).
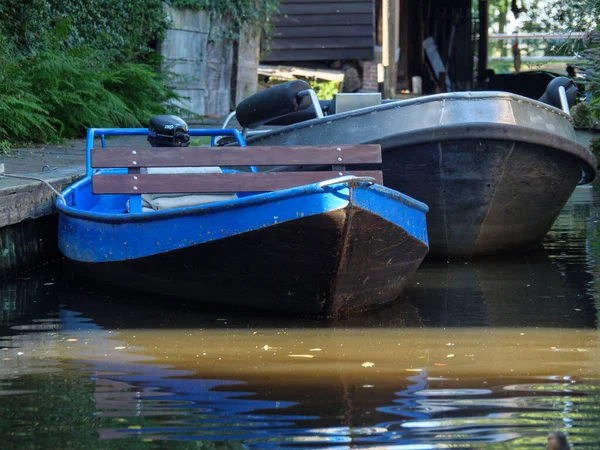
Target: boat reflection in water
(521,290)
(155,373)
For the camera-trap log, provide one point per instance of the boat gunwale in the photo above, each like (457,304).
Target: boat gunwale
(503,132)
(469,131)
(469,96)
(236,203)
(447,96)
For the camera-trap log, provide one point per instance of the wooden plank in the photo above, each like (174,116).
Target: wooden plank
(289,2)
(435,59)
(235,156)
(326,8)
(319,55)
(390,12)
(213,182)
(322,43)
(290,72)
(23,200)
(313,20)
(323,31)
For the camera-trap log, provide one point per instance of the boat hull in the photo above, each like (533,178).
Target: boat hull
(485,196)
(352,255)
(495,169)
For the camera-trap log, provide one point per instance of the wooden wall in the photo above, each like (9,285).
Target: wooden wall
(318,30)
(205,66)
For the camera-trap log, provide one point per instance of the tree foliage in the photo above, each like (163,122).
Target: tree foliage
(127,25)
(130,26)
(544,16)
(70,64)
(254,15)
(50,94)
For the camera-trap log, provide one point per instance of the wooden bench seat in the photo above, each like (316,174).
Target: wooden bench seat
(136,182)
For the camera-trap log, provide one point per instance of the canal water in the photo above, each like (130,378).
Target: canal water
(492,353)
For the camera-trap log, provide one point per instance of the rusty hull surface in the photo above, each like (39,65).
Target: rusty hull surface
(342,261)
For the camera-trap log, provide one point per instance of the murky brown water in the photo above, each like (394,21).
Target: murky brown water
(491,353)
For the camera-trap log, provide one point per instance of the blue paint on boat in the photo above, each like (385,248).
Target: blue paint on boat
(97,228)
(400,209)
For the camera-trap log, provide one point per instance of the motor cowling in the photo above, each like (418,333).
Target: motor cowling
(168,131)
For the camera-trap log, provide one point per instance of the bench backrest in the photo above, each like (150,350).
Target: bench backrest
(135,183)
(139,183)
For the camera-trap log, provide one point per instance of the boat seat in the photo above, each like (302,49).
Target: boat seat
(147,169)
(157,202)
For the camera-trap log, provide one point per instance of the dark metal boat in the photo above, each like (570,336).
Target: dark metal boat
(494,168)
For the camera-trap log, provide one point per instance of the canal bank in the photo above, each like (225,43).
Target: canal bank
(28,220)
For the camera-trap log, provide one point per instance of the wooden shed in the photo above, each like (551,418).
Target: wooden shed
(325,33)
(318,30)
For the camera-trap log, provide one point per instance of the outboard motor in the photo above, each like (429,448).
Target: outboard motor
(552,96)
(168,131)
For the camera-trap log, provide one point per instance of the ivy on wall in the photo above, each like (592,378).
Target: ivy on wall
(127,25)
(238,14)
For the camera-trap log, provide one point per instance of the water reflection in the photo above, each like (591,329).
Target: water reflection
(490,353)
(277,386)
(528,289)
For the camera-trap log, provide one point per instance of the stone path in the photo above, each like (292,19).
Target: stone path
(71,154)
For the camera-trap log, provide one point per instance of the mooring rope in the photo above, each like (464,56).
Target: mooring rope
(29,177)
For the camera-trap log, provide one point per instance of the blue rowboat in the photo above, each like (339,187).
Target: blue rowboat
(337,245)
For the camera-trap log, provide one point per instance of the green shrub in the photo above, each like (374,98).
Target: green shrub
(127,25)
(595,146)
(325,89)
(130,26)
(22,114)
(238,14)
(70,64)
(589,65)
(582,115)
(58,94)
(5,147)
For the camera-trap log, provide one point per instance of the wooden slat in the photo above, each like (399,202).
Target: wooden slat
(326,8)
(323,31)
(320,55)
(322,42)
(290,2)
(335,19)
(236,156)
(291,72)
(213,182)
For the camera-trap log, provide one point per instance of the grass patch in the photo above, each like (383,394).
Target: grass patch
(5,148)
(200,141)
